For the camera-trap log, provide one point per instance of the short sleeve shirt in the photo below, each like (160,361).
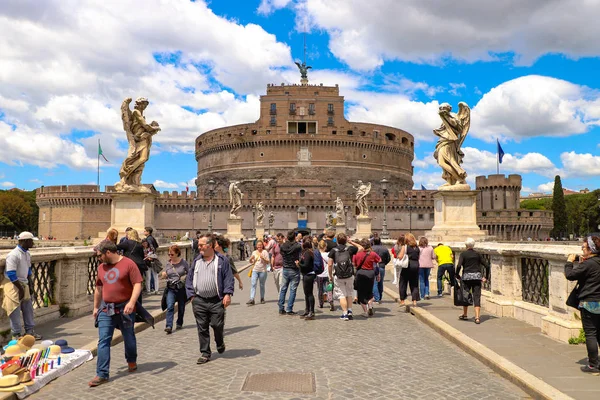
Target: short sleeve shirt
(117,280)
(351,249)
(372,258)
(443,254)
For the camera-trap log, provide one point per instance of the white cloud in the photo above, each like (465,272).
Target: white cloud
(35,180)
(266,7)
(535,105)
(88,56)
(7,184)
(165,185)
(581,165)
(455,88)
(365,34)
(546,187)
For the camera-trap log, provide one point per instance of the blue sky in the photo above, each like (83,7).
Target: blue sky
(526,69)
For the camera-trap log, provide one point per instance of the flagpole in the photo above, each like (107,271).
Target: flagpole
(98,165)
(497,157)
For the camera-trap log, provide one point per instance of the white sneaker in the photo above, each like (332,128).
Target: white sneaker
(394,282)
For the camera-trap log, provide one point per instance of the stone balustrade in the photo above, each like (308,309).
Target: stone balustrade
(66,278)
(528,283)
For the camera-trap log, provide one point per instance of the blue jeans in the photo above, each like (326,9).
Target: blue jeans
(106,328)
(424,281)
(262,278)
(378,286)
(26,308)
(441,271)
(291,279)
(179,297)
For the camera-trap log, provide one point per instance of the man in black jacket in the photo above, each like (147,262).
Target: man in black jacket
(290,252)
(384,254)
(151,241)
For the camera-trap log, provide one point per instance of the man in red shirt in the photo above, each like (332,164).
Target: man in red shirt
(118,287)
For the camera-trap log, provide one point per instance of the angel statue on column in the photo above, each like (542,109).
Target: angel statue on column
(139,135)
(452,135)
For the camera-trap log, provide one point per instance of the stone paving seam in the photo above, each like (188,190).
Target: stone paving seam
(508,370)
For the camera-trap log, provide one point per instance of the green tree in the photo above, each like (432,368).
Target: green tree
(18,211)
(560,209)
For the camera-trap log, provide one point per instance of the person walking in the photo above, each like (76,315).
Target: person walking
(410,276)
(306,264)
(395,252)
(222,246)
(118,286)
(323,279)
(367,272)
(148,234)
(290,251)
(426,257)
(242,249)
(471,263)
(260,261)
(151,274)
(445,261)
(17,298)
(210,285)
(175,273)
(384,254)
(341,273)
(587,274)
(131,246)
(112,235)
(277,260)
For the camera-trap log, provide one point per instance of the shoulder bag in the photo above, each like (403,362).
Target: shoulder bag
(401,262)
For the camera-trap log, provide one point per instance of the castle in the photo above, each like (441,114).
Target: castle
(297,158)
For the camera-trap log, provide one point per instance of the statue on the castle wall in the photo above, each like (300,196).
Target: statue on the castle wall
(139,135)
(235,198)
(328,219)
(303,69)
(260,213)
(339,211)
(271,219)
(362,190)
(448,154)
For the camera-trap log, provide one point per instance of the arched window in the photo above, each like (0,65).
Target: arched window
(302,193)
(390,136)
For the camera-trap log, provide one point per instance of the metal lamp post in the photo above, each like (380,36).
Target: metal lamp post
(211,193)
(254,220)
(384,187)
(410,212)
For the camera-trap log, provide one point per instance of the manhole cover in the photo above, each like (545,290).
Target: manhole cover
(295,382)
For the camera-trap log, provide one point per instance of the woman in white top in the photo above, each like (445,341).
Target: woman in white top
(260,259)
(323,279)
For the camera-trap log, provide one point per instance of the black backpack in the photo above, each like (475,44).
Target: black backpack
(342,265)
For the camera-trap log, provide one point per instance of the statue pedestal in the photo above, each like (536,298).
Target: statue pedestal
(363,227)
(234,228)
(455,217)
(340,228)
(260,232)
(134,210)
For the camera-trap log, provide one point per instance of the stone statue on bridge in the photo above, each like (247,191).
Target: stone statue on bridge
(260,213)
(139,135)
(339,211)
(235,198)
(362,190)
(448,154)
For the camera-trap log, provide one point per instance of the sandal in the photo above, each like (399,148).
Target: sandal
(203,360)
(477,321)
(463,317)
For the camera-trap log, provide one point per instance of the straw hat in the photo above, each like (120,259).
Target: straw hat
(12,342)
(26,342)
(54,351)
(14,351)
(25,377)
(11,369)
(10,383)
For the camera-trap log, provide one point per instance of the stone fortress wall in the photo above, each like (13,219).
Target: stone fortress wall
(499,210)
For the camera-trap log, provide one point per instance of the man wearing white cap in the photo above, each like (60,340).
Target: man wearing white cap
(16,287)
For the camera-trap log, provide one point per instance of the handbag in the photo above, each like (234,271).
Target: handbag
(156,265)
(573,299)
(401,262)
(462,297)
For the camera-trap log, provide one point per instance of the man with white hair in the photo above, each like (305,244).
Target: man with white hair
(472,262)
(16,287)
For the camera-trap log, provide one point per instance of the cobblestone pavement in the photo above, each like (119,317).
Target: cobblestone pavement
(389,356)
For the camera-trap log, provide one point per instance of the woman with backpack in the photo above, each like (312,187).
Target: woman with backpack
(323,279)
(367,270)
(409,276)
(307,269)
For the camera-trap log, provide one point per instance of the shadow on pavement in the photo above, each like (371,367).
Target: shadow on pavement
(158,367)
(239,353)
(231,331)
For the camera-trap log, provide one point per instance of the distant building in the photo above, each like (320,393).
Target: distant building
(500,213)
(539,196)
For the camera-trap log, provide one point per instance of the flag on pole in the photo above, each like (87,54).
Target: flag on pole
(100,152)
(423,187)
(187,189)
(500,152)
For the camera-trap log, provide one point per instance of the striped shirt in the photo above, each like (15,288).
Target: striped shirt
(206,278)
